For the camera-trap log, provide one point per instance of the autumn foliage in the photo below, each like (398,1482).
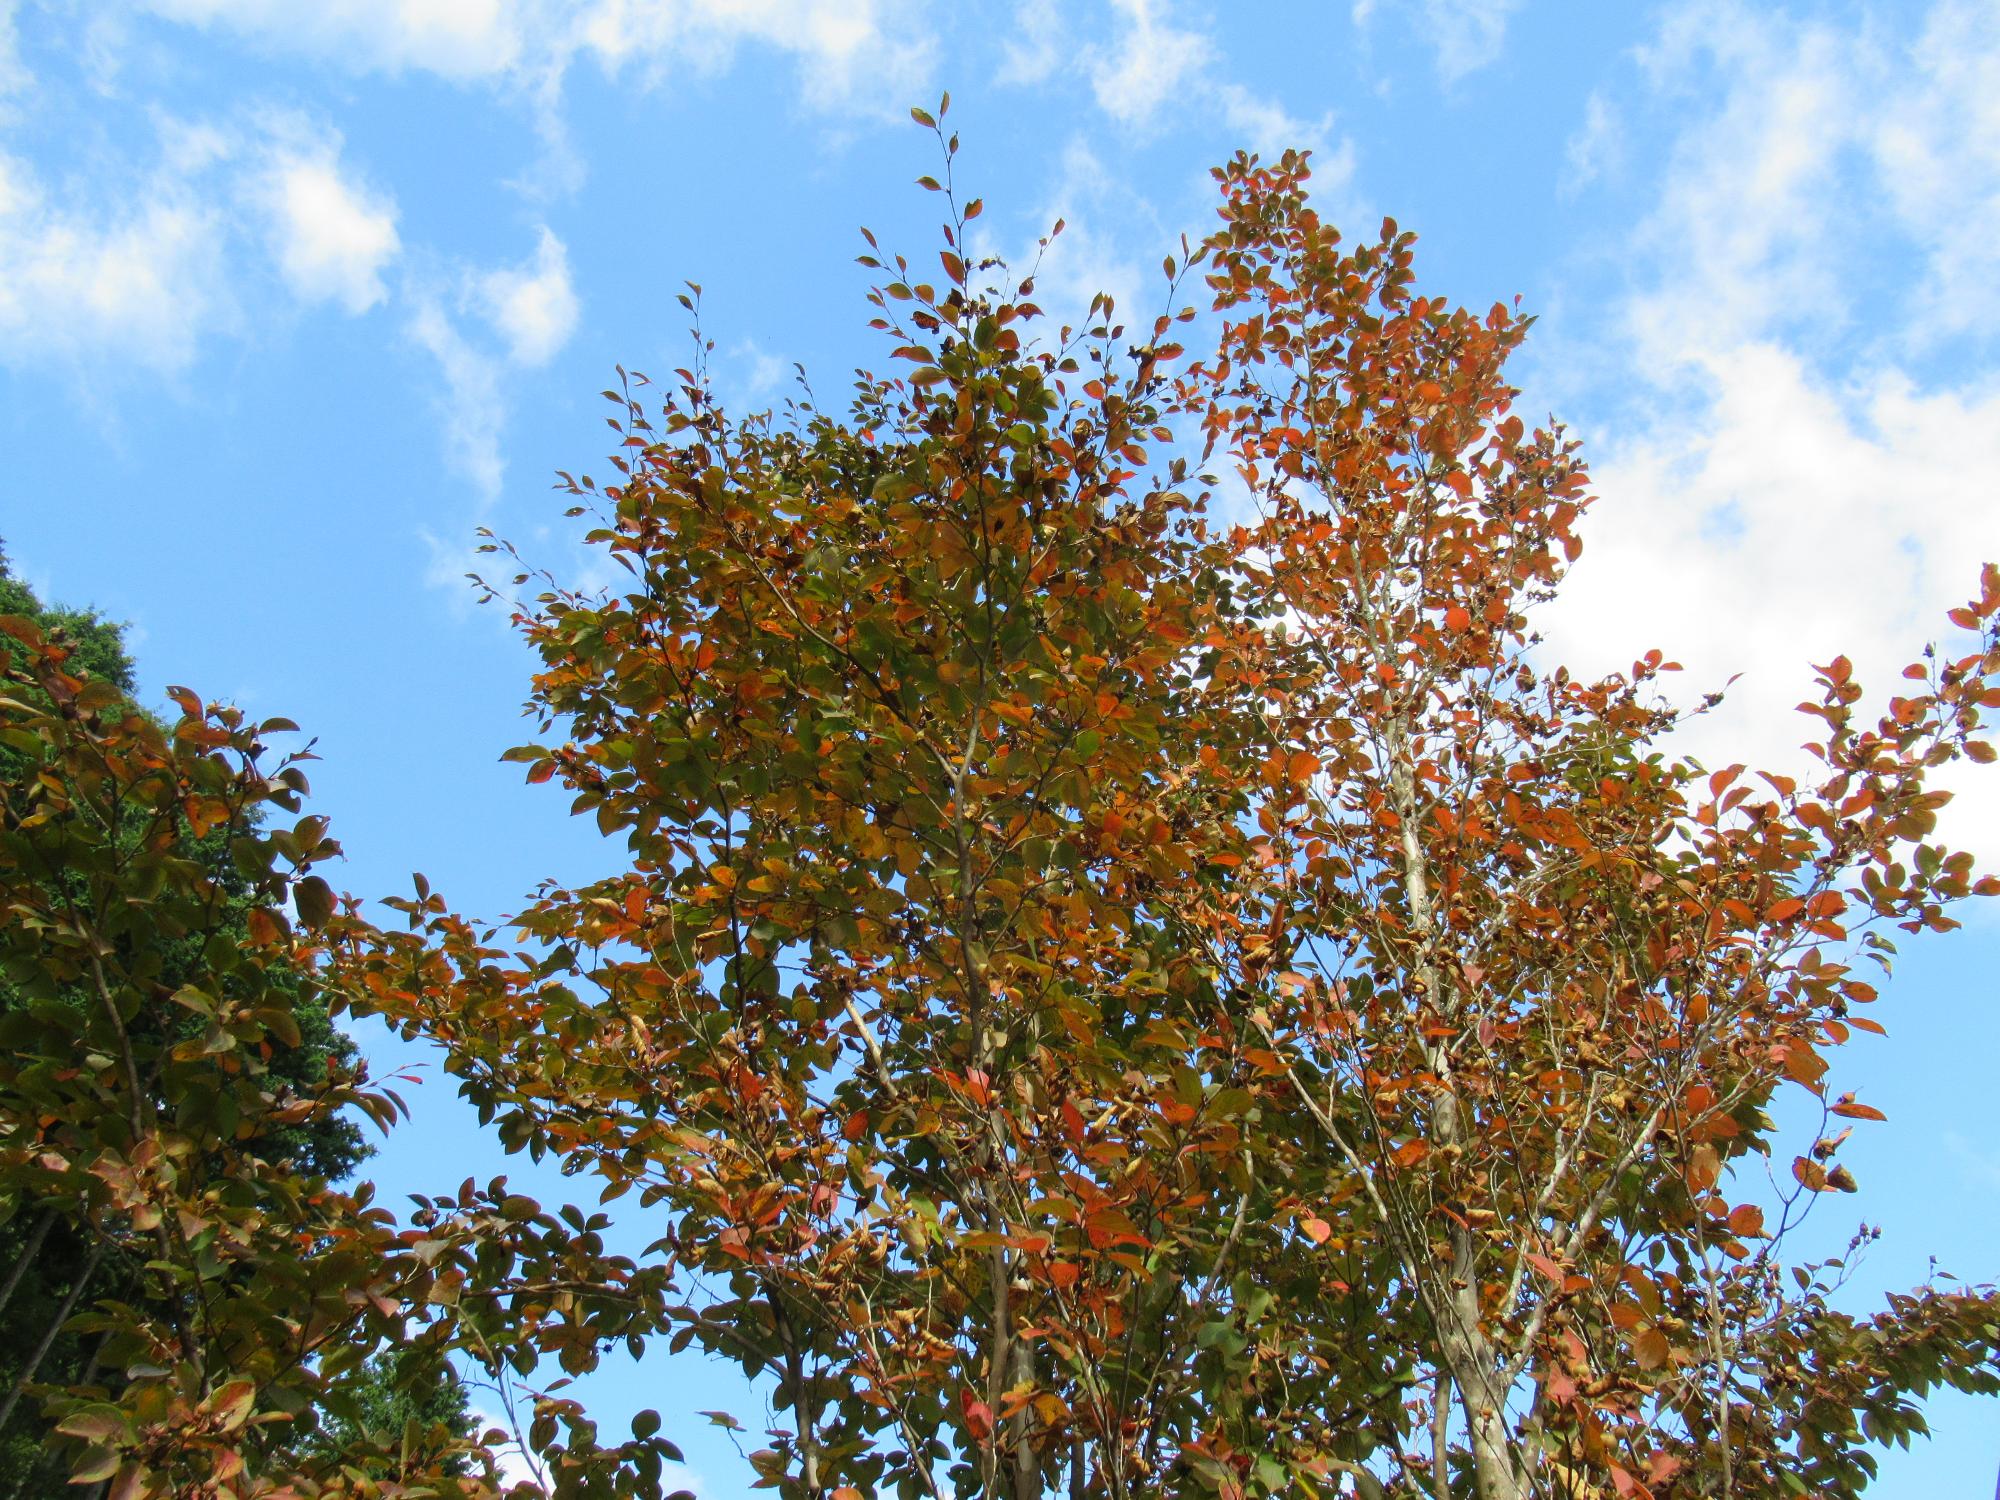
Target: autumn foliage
(1129,972)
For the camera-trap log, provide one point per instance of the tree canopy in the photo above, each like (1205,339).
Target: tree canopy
(47,1251)
(1128,970)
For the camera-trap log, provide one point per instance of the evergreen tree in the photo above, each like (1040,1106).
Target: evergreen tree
(49,1275)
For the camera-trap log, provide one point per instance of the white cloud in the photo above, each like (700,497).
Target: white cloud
(141,281)
(469,404)
(459,39)
(144,258)
(867,55)
(1937,142)
(1746,224)
(861,54)
(533,306)
(331,236)
(1034,47)
(1597,149)
(1789,479)
(1780,521)
(13,74)
(1465,35)
(1265,126)
(519,316)
(757,374)
(1093,205)
(1152,62)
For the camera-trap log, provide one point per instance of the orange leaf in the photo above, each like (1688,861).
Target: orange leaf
(1547,1267)
(1650,1349)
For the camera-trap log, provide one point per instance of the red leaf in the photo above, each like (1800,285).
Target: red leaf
(978,1415)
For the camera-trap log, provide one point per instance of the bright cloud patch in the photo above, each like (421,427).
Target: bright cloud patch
(155,252)
(143,280)
(1784,489)
(331,237)
(455,38)
(1150,63)
(1787,522)
(851,52)
(534,306)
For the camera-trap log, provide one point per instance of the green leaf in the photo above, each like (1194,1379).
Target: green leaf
(314,899)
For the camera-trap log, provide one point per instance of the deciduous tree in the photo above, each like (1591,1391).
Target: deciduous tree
(1121,992)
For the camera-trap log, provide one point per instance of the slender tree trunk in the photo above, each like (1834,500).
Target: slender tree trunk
(29,1251)
(1492,1448)
(1467,1350)
(1441,1397)
(34,1365)
(1027,1468)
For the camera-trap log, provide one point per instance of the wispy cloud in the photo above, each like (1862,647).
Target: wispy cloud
(1157,67)
(142,262)
(1033,49)
(13,73)
(142,275)
(1464,35)
(481,325)
(1150,62)
(461,39)
(468,404)
(1981,1165)
(1597,147)
(863,55)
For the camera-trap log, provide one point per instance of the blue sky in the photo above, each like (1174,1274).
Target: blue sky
(295,297)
